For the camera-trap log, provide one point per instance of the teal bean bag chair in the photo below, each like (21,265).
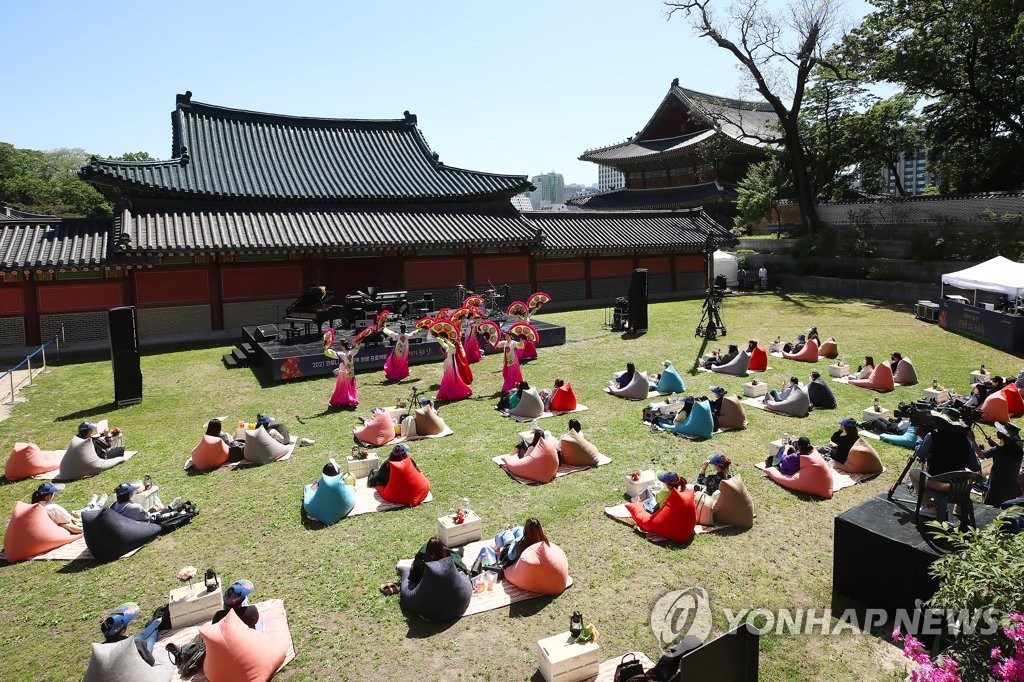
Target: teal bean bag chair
(670,381)
(908,439)
(699,424)
(330,501)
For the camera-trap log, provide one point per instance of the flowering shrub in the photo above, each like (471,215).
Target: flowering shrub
(1010,668)
(942,669)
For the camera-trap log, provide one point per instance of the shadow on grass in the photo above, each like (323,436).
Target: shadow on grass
(88,412)
(79,566)
(421,629)
(700,354)
(530,607)
(629,336)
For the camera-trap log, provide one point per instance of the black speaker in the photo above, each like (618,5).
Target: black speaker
(266,332)
(638,301)
(124,355)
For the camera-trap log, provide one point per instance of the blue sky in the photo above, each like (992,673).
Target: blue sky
(519,87)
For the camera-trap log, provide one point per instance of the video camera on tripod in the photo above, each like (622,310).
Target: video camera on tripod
(920,414)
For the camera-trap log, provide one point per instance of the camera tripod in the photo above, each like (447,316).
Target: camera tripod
(711,324)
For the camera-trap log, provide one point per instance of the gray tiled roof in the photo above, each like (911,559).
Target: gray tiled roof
(53,243)
(662,198)
(230,153)
(626,230)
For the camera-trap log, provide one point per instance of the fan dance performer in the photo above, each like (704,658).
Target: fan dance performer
(345,392)
(453,387)
(396,367)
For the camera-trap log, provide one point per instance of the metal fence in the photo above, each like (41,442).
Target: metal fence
(23,373)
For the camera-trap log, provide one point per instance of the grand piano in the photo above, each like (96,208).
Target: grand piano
(314,306)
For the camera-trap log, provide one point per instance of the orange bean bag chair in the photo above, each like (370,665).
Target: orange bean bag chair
(378,431)
(564,399)
(862,459)
(880,379)
(237,653)
(28,460)
(829,349)
(758,360)
(809,353)
(995,408)
(539,462)
(542,567)
(813,478)
(31,532)
(1014,401)
(675,520)
(406,484)
(210,453)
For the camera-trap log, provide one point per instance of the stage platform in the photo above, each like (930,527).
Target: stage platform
(880,557)
(286,360)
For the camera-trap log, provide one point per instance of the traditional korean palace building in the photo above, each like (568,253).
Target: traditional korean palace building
(692,152)
(254,208)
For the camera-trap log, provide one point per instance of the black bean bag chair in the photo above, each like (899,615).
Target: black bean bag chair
(109,535)
(442,593)
(820,395)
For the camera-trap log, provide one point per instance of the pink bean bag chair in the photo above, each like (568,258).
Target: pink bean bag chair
(237,653)
(211,453)
(813,478)
(829,349)
(378,431)
(28,460)
(564,399)
(31,532)
(675,520)
(809,353)
(539,462)
(542,567)
(880,379)
(1014,401)
(995,408)
(758,360)
(406,484)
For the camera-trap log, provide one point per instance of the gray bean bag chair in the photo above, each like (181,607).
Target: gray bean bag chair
(109,535)
(80,460)
(794,402)
(530,405)
(637,389)
(122,662)
(261,448)
(820,395)
(906,374)
(736,367)
(442,593)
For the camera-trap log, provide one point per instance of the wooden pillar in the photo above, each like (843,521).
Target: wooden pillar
(533,270)
(587,289)
(470,284)
(672,272)
(33,333)
(129,289)
(216,294)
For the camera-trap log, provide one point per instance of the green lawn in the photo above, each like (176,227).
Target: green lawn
(250,524)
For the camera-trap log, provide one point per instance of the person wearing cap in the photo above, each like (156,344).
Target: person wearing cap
(718,393)
(796,346)
(946,448)
(133,510)
(679,417)
(275,428)
(383,475)
(670,481)
(842,440)
(812,334)
(711,482)
(236,598)
(115,626)
(69,521)
(102,442)
(1006,455)
(719,360)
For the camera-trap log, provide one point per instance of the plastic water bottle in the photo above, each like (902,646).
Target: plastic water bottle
(465,505)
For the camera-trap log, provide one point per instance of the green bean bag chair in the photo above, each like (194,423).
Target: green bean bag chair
(122,662)
(330,501)
(442,593)
(109,535)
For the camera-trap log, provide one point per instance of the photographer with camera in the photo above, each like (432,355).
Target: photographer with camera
(1003,479)
(946,448)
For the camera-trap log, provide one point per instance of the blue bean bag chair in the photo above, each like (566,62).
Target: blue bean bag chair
(670,381)
(442,593)
(908,439)
(330,501)
(109,535)
(699,424)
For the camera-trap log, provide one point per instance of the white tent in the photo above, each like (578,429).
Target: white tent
(727,264)
(1000,275)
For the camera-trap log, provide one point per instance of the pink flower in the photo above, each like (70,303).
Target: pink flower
(187,573)
(995,653)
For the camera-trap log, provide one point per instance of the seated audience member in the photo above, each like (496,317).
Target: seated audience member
(718,359)
(792,400)
(670,481)
(685,406)
(513,540)
(910,437)
(820,394)
(795,346)
(812,334)
(398,479)
(537,461)
(699,423)
(102,442)
(236,598)
(622,379)
(669,381)
(758,357)
(115,627)
(547,394)
(946,448)
(526,402)
(1004,478)
(710,482)
(331,498)
(864,371)
(563,399)
(715,403)
(275,428)
(69,521)
(788,461)
(436,587)
(842,440)
(133,510)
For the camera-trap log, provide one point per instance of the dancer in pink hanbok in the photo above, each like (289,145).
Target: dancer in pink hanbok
(345,393)
(396,367)
(510,370)
(470,341)
(452,385)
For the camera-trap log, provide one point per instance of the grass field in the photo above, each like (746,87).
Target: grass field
(343,628)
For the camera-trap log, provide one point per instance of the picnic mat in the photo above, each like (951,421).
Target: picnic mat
(758,403)
(846,380)
(650,394)
(272,611)
(606,671)
(369,500)
(621,514)
(504,592)
(47,475)
(75,550)
(563,469)
(406,439)
(840,479)
(544,415)
(727,374)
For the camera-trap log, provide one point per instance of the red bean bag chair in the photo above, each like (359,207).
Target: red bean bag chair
(539,462)
(675,520)
(995,408)
(813,478)
(542,567)
(31,531)
(211,453)
(1014,401)
(829,349)
(880,379)
(758,360)
(809,353)
(564,399)
(28,460)
(237,653)
(406,484)
(378,431)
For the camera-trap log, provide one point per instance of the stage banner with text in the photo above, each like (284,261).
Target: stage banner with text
(990,327)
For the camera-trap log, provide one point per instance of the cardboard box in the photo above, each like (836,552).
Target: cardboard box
(755,391)
(192,604)
(634,488)
(563,659)
(838,371)
(360,468)
(455,534)
(870,413)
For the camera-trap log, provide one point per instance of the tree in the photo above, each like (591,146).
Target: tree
(757,37)
(133,156)
(875,138)
(47,182)
(760,192)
